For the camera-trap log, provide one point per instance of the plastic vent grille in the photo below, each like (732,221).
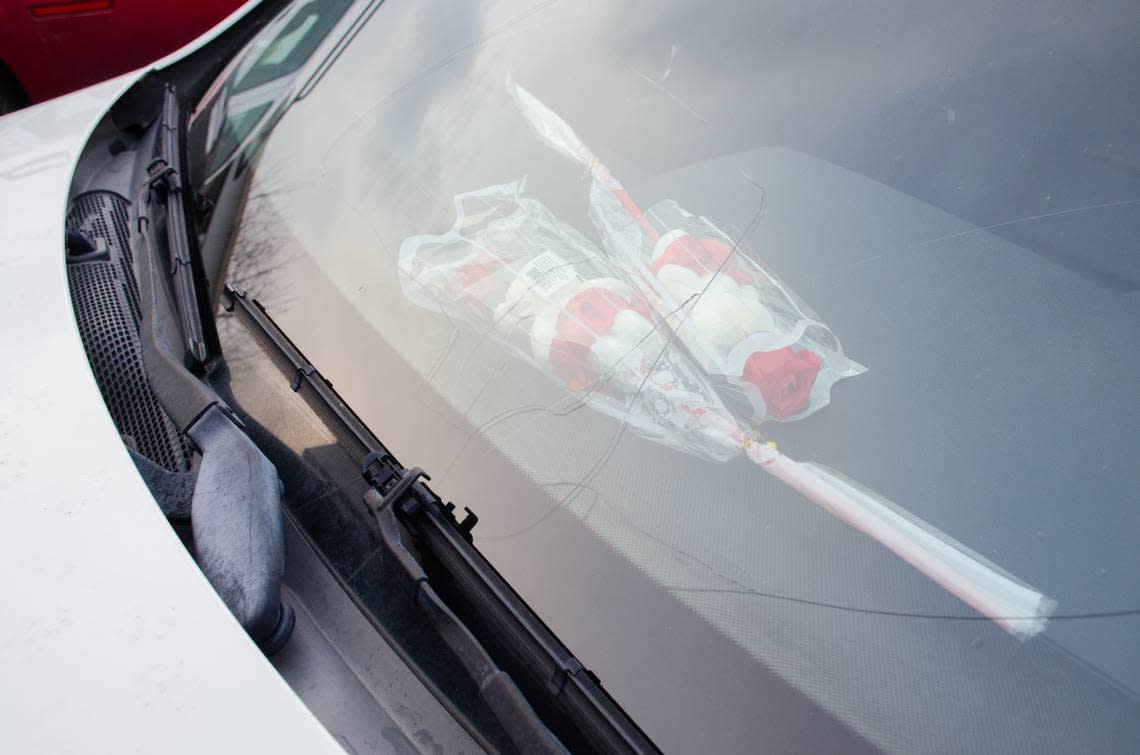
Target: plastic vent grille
(106,301)
(103,214)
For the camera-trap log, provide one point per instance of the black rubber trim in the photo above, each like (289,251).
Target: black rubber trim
(164,176)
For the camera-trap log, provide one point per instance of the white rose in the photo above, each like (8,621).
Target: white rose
(725,314)
(630,333)
(679,282)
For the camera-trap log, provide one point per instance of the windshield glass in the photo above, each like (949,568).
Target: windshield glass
(260,76)
(787,352)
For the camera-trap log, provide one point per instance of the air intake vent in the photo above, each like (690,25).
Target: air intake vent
(103,215)
(105,296)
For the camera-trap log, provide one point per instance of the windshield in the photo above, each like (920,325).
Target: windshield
(786,352)
(259,78)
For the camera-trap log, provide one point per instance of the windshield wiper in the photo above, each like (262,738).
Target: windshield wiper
(164,180)
(399,494)
(235,506)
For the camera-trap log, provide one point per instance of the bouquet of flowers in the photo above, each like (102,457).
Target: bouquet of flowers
(510,269)
(744,326)
(662,331)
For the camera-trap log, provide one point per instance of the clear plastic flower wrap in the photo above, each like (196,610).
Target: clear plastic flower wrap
(621,331)
(769,355)
(762,344)
(510,269)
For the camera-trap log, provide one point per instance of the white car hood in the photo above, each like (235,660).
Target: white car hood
(111,639)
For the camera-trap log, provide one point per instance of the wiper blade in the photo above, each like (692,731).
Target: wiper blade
(164,179)
(397,492)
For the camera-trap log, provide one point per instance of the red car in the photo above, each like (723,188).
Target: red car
(50,47)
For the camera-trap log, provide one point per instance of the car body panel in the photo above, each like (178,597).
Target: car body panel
(51,54)
(112,639)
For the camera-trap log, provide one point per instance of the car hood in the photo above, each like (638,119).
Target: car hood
(111,632)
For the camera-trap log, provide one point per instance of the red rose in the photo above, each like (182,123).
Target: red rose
(702,256)
(593,308)
(784,377)
(471,275)
(569,360)
(588,314)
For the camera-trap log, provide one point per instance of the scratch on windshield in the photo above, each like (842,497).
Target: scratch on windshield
(1088,270)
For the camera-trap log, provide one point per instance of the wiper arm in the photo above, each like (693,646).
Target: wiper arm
(235,507)
(399,493)
(164,178)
